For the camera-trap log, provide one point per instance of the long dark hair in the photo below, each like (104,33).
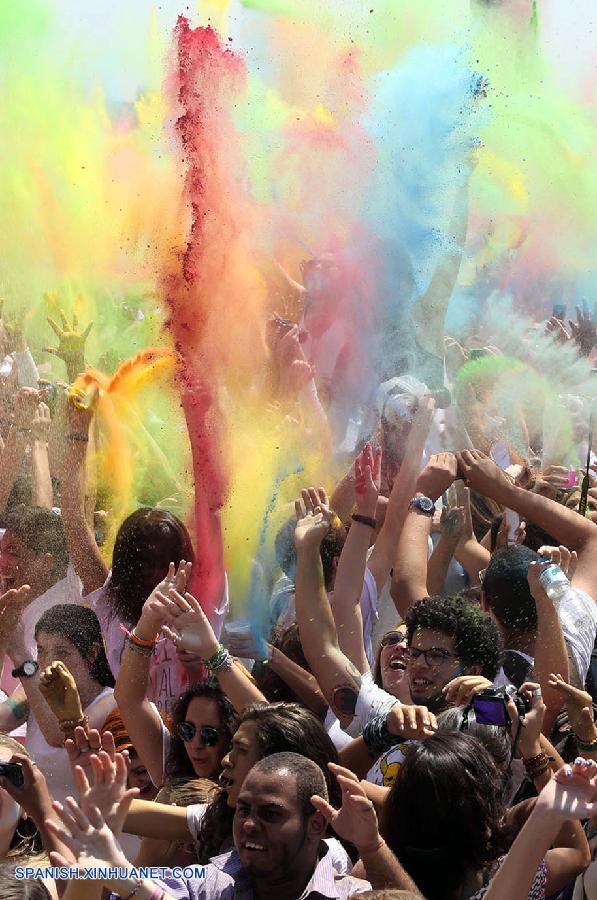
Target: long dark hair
(143,535)
(280,727)
(178,763)
(80,626)
(444,814)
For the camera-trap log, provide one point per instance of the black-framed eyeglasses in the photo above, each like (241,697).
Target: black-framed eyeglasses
(186,731)
(393,638)
(434,656)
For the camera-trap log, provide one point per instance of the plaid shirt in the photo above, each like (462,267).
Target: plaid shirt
(226,880)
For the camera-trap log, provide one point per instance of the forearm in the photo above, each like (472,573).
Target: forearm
(551,655)
(356,757)
(82,889)
(301,682)
(473,557)
(347,592)
(409,580)
(239,689)
(438,565)
(570,529)
(43,494)
(141,720)
(516,874)
(343,497)
(82,548)
(383,870)
(150,819)
(41,712)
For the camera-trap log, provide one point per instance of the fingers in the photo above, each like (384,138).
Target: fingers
(85,334)
(108,743)
(322,806)
(298,510)
(54,326)
(64,320)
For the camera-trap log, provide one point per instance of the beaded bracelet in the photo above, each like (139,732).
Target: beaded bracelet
(377,736)
(537,765)
(138,648)
(590,747)
(221,661)
(68,725)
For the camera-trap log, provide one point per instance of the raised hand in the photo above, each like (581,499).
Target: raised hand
(411,722)
(88,836)
(71,341)
(314,520)
(437,476)
(584,330)
(533,721)
(481,472)
(33,795)
(356,820)
(86,744)
(12,604)
(153,614)
(108,792)
(188,626)
(26,403)
(61,693)
(367,480)
(452,523)
(579,705)
(571,794)
(562,557)
(460,690)
(41,423)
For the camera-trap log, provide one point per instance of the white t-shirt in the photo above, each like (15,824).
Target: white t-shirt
(578,617)
(372,701)
(385,770)
(332,726)
(53,761)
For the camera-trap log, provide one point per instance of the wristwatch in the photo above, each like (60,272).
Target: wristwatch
(423,504)
(27,669)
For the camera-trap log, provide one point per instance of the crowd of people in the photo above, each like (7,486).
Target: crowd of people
(418,719)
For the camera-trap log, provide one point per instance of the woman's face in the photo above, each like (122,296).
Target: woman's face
(206,760)
(10,812)
(393,659)
(139,777)
(53,647)
(239,761)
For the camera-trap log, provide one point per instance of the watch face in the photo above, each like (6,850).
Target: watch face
(29,668)
(425,504)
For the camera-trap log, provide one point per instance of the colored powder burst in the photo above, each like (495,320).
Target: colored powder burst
(343,127)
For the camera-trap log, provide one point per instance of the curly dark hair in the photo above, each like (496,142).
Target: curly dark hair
(444,815)
(476,637)
(280,727)
(178,763)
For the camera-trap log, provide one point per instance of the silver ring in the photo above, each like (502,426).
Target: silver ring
(536,692)
(317,509)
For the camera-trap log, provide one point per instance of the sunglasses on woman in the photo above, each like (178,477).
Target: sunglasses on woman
(392,638)
(186,731)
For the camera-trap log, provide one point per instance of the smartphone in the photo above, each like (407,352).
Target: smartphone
(559,312)
(512,520)
(14,773)
(490,711)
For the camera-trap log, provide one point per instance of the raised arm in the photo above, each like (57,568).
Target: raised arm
(82,548)
(451,527)
(409,580)
(189,629)
(43,494)
(383,554)
(353,559)
(338,678)
(573,531)
(141,718)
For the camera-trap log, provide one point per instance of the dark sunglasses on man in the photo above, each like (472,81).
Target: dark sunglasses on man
(186,731)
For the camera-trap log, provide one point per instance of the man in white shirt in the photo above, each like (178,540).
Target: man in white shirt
(33,551)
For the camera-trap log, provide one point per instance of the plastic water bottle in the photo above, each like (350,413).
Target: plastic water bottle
(554,582)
